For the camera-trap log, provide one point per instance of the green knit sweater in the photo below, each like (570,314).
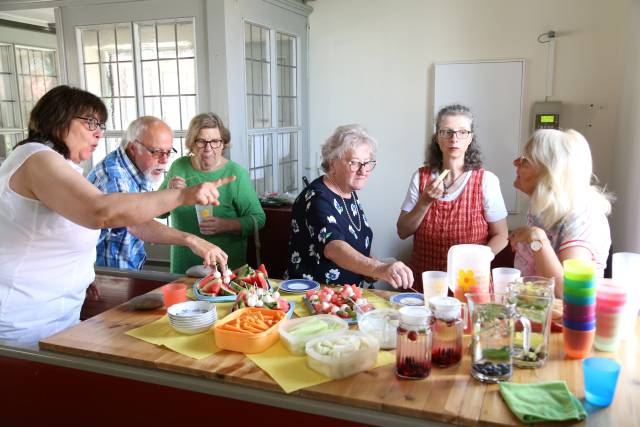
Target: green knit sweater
(238,200)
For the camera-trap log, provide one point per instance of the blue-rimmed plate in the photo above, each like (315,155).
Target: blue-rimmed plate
(298,286)
(408,298)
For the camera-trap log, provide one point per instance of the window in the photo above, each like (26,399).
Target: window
(141,68)
(26,73)
(272,119)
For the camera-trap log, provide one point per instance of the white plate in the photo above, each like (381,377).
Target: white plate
(298,286)
(408,298)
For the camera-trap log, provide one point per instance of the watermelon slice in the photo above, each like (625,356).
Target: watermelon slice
(226,290)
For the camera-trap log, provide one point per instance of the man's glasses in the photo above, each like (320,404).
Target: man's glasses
(213,143)
(157,153)
(448,133)
(92,123)
(355,166)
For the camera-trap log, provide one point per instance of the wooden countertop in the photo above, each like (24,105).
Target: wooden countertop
(448,395)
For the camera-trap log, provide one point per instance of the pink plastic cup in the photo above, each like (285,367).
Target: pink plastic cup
(174,293)
(579,310)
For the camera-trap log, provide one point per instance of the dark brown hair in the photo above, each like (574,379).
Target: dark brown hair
(472,157)
(51,117)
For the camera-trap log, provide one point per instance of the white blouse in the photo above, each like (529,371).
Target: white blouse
(46,261)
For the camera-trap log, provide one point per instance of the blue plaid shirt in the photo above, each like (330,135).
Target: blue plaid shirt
(117,247)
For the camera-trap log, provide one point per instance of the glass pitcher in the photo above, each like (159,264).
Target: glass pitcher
(493,319)
(469,269)
(534,300)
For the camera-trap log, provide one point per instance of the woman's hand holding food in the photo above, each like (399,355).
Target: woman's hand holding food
(215,225)
(396,273)
(210,253)
(205,193)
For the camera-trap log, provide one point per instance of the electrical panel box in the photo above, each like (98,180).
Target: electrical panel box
(546,115)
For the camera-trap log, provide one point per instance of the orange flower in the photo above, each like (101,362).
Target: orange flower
(466,279)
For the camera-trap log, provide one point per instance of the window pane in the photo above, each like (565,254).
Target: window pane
(185,40)
(107,41)
(128,108)
(38,87)
(288,162)
(152,106)
(168,77)
(26,88)
(5,65)
(49,64)
(8,116)
(50,82)
(151,85)
(188,106)
(90,46)
(126,78)
(117,116)
(111,123)
(109,72)
(6,93)
(24,61)
(148,42)
(166,41)
(260,166)
(171,111)
(123,34)
(187,76)
(92,77)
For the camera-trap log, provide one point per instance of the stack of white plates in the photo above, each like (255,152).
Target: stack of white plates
(192,317)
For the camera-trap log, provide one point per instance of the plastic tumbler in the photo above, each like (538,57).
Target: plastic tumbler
(174,293)
(502,276)
(204,211)
(625,270)
(600,379)
(579,301)
(434,284)
(610,305)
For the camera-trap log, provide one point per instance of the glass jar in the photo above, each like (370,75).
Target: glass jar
(446,328)
(413,343)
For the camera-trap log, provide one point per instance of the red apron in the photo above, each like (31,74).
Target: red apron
(448,223)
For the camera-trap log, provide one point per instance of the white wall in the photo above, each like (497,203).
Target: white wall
(28,38)
(626,174)
(372,62)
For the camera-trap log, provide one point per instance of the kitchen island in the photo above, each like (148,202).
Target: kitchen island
(153,381)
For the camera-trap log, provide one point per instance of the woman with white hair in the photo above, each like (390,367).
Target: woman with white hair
(567,216)
(330,236)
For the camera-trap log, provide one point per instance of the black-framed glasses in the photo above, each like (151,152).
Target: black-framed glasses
(93,123)
(213,143)
(157,153)
(448,133)
(355,166)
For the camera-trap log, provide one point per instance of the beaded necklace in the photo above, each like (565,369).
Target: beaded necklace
(453,183)
(344,204)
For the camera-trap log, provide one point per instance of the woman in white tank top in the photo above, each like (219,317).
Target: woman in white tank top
(50,216)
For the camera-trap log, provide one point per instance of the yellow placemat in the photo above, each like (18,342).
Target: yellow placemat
(376,300)
(160,332)
(292,373)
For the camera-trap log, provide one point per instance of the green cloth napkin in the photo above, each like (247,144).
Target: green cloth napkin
(543,401)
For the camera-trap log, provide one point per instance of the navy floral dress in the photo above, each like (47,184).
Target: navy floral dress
(318,217)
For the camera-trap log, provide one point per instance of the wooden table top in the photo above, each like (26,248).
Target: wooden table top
(447,395)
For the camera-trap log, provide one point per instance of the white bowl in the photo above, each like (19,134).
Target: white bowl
(190,309)
(192,331)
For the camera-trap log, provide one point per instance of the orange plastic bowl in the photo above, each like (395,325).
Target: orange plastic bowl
(247,343)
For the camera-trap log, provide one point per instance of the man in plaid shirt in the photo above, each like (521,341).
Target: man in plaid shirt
(137,165)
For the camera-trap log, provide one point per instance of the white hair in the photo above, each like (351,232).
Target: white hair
(566,172)
(343,139)
(137,128)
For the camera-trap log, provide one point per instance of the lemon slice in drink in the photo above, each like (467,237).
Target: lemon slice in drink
(535,340)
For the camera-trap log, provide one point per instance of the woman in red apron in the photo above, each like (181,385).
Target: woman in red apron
(465,205)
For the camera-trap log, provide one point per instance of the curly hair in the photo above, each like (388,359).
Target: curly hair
(50,118)
(206,121)
(472,157)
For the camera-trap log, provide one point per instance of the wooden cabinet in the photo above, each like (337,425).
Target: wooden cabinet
(274,241)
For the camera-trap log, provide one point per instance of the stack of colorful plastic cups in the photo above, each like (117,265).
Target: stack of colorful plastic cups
(579,315)
(610,304)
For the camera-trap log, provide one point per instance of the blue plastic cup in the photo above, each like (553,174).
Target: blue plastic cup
(600,379)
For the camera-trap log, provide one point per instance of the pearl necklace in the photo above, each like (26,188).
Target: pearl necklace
(344,204)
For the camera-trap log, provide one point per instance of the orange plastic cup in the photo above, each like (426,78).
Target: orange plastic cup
(174,293)
(577,344)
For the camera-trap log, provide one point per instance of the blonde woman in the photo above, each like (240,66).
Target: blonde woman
(567,216)
(233,220)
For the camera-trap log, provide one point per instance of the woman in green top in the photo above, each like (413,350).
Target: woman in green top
(233,220)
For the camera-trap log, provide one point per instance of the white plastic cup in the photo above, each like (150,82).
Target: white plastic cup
(434,284)
(204,211)
(502,276)
(625,269)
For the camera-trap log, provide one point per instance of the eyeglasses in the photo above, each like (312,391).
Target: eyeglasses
(157,153)
(355,166)
(213,143)
(448,133)
(92,123)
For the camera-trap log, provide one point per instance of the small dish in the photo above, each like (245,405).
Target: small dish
(298,286)
(408,298)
